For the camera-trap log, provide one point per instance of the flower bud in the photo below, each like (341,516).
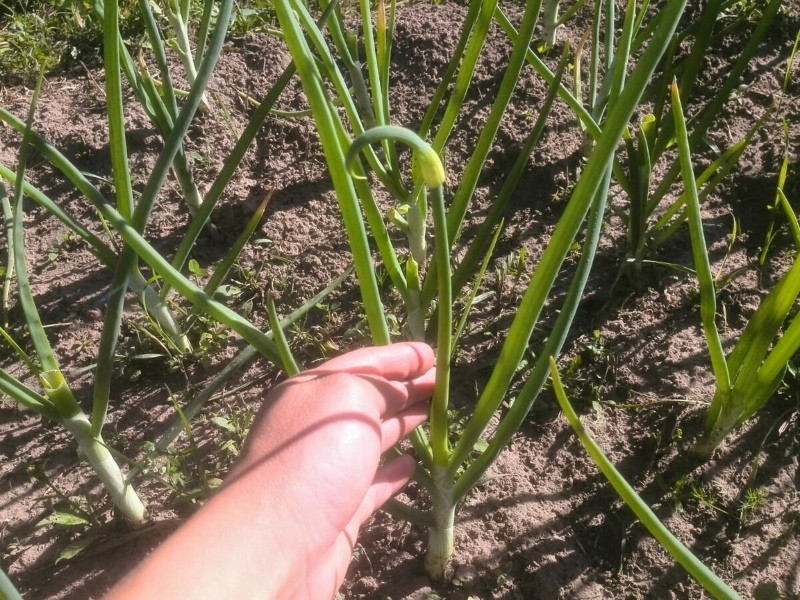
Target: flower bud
(430,166)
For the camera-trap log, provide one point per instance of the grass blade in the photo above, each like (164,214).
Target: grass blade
(462,322)
(791,218)
(116,118)
(757,390)
(764,325)
(8,226)
(444,340)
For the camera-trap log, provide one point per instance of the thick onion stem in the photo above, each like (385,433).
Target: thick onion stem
(96,453)
(440,534)
(93,448)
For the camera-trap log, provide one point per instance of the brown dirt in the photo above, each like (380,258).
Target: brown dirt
(543,523)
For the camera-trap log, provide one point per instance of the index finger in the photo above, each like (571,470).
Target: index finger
(397,362)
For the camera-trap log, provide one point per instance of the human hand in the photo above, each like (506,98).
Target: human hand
(319,439)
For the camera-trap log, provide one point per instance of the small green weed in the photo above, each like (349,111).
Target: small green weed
(31,40)
(253,15)
(180,472)
(38,35)
(677,492)
(590,371)
(75,516)
(751,504)
(212,338)
(67,510)
(148,345)
(234,427)
(66,243)
(194,470)
(707,496)
(511,269)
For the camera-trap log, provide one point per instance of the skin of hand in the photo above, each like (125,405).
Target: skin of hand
(285,522)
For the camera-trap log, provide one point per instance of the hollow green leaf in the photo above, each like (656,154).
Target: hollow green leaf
(701,573)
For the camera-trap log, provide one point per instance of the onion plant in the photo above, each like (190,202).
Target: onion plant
(424,276)
(707,33)
(750,374)
(58,402)
(178,15)
(649,221)
(551,20)
(128,221)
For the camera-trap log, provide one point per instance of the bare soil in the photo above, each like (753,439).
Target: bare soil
(543,523)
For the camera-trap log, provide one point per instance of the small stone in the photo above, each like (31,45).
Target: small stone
(466,575)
